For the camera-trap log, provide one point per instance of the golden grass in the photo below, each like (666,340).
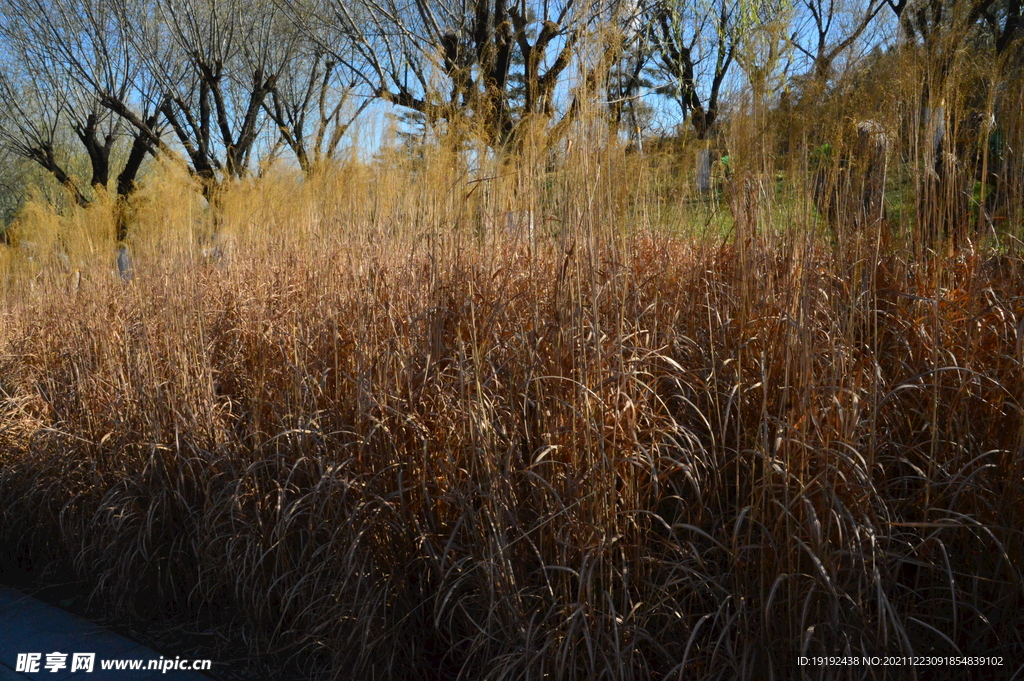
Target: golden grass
(383,433)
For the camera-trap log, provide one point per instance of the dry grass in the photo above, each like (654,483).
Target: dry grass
(372,430)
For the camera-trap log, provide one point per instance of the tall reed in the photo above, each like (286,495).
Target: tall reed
(413,419)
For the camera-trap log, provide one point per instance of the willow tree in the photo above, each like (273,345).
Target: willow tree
(494,65)
(64,61)
(696,44)
(313,103)
(824,30)
(216,63)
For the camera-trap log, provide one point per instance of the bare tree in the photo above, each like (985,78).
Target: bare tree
(212,64)
(696,46)
(627,79)
(315,97)
(824,29)
(15,179)
(494,63)
(64,59)
(224,71)
(34,121)
(927,20)
(109,77)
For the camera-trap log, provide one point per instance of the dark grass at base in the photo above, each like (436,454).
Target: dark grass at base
(55,584)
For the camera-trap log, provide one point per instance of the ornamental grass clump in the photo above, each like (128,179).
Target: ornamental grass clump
(383,435)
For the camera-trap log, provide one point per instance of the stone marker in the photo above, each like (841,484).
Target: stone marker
(124,264)
(704,170)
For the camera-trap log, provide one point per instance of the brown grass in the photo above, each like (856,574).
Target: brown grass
(381,434)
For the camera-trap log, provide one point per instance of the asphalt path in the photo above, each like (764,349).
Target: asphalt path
(30,627)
